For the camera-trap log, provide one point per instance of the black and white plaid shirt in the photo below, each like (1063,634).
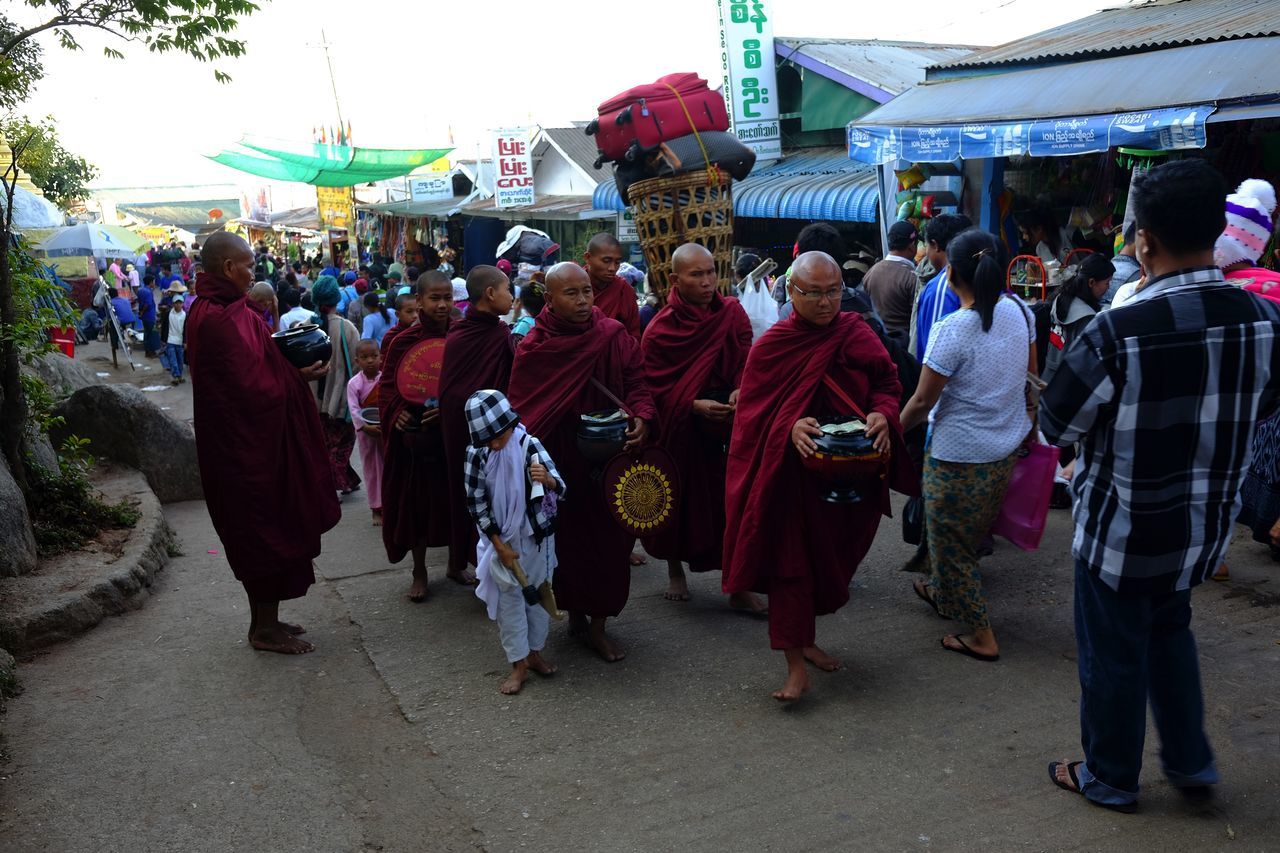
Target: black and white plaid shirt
(478,491)
(1163,395)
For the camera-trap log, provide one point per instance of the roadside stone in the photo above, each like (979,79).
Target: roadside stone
(124,426)
(63,375)
(17,542)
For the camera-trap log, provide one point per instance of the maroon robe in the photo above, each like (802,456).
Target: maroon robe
(617,301)
(386,344)
(688,352)
(550,388)
(263,463)
(415,490)
(477,355)
(782,539)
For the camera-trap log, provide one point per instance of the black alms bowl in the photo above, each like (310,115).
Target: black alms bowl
(599,442)
(304,345)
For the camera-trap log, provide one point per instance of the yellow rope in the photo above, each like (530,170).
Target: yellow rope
(713,176)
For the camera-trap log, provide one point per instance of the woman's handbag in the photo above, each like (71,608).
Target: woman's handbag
(1026,502)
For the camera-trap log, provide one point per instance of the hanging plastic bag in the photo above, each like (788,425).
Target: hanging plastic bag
(1026,503)
(757,300)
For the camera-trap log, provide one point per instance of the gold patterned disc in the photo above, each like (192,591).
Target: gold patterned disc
(642,492)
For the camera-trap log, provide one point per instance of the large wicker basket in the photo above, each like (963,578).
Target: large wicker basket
(696,207)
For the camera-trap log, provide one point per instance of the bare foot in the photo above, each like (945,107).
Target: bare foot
(638,559)
(749,602)
(280,641)
(821,659)
(512,683)
(377,518)
(418,590)
(540,665)
(465,577)
(287,627)
(797,685)
(604,647)
(677,589)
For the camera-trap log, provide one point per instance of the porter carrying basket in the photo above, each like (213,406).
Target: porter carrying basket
(670,211)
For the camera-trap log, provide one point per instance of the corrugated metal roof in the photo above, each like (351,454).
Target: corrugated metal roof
(1143,26)
(891,66)
(544,207)
(577,146)
(187,214)
(818,183)
(1178,76)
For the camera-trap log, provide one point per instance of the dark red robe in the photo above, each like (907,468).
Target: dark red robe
(617,301)
(688,352)
(550,388)
(266,475)
(477,355)
(781,538)
(386,343)
(415,489)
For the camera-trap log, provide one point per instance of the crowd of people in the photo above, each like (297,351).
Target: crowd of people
(940,373)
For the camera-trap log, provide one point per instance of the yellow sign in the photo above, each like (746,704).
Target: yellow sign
(336,206)
(441,165)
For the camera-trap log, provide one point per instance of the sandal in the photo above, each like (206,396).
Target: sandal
(966,651)
(922,592)
(1074,787)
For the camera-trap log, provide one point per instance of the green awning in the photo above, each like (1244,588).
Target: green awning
(324,165)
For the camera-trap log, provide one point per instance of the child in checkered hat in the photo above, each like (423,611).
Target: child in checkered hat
(512,486)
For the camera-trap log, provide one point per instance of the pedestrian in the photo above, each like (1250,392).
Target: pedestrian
(1250,213)
(100,296)
(362,394)
(407,308)
(1126,266)
(1077,302)
(528,305)
(936,299)
(294,313)
(972,391)
(335,418)
(176,338)
(377,319)
(259,446)
(356,310)
(892,283)
(1165,439)
(614,295)
(147,314)
(512,489)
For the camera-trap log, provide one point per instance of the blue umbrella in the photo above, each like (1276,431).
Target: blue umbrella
(89,239)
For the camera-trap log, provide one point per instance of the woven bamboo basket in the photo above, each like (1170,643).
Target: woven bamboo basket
(696,207)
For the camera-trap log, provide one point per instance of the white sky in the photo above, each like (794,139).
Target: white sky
(406,72)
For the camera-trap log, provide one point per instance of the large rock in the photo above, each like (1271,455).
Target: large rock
(64,376)
(17,542)
(124,426)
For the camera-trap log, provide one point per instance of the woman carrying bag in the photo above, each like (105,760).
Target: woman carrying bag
(339,434)
(973,392)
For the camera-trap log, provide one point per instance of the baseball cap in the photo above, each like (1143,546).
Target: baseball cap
(902,234)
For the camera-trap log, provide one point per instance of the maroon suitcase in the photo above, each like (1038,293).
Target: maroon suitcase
(636,121)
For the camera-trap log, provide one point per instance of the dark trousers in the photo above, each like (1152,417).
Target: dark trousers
(1131,648)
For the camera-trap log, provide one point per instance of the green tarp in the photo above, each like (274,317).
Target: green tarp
(324,165)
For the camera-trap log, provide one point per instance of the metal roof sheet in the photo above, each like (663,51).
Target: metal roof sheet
(577,146)
(818,183)
(890,66)
(1177,76)
(1142,26)
(543,207)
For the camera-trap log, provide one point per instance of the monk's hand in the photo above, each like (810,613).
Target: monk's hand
(430,416)
(878,431)
(733,397)
(711,410)
(539,474)
(403,421)
(315,371)
(802,436)
(637,434)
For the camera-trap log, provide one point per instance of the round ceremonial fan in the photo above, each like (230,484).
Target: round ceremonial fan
(642,492)
(418,376)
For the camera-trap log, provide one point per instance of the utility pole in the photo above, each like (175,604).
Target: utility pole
(324,45)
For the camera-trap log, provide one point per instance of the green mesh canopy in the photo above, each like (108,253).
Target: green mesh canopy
(324,165)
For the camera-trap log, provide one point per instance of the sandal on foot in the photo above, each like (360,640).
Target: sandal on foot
(922,593)
(1074,787)
(968,652)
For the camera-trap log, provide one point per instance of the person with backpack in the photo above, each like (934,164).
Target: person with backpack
(1077,303)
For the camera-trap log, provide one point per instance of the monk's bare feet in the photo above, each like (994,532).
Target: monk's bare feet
(418,589)
(290,628)
(677,589)
(600,641)
(377,518)
(821,659)
(540,665)
(749,602)
(797,685)
(511,685)
(638,559)
(280,641)
(465,577)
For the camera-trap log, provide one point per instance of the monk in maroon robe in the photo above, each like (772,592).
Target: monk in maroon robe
(551,388)
(694,352)
(406,307)
(782,538)
(259,445)
(614,295)
(415,488)
(477,356)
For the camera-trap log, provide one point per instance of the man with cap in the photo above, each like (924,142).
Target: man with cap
(892,283)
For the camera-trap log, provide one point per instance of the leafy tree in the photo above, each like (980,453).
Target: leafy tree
(63,176)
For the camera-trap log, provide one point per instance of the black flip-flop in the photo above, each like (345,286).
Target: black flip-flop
(968,652)
(919,590)
(1074,787)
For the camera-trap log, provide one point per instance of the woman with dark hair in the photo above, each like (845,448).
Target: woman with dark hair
(376,320)
(972,392)
(1077,302)
(1041,235)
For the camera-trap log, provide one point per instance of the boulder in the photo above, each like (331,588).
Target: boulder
(17,542)
(123,425)
(64,376)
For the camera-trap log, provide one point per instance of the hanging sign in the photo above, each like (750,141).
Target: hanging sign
(433,187)
(750,81)
(625,230)
(336,206)
(513,168)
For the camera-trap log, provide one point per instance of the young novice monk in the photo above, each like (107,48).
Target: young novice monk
(362,393)
(512,488)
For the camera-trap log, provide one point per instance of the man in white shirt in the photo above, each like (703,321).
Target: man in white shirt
(296,314)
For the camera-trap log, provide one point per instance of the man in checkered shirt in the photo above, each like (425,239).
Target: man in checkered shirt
(1163,395)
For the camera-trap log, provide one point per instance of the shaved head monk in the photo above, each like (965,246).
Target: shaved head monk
(263,297)
(782,537)
(259,445)
(614,295)
(694,351)
(551,387)
(415,487)
(477,355)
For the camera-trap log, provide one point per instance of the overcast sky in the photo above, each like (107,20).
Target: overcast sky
(406,72)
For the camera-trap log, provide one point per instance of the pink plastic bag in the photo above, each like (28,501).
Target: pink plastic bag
(1026,503)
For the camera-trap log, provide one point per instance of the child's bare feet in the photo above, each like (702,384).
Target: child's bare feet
(512,683)
(797,685)
(377,518)
(540,665)
(821,659)
(600,641)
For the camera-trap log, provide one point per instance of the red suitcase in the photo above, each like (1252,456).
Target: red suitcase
(638,120)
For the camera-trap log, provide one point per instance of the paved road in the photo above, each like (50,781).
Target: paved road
(161,730)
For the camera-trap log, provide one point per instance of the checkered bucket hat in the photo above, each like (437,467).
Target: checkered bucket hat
(488,414)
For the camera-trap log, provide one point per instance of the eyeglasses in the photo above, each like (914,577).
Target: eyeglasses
(818,295)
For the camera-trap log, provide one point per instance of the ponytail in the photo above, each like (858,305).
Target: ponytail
(976,260)
(988,285)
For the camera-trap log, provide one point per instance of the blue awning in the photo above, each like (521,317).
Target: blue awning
(820,183)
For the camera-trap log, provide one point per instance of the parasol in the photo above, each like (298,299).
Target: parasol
(91,239)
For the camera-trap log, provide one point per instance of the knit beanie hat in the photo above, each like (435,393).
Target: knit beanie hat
(1249,212)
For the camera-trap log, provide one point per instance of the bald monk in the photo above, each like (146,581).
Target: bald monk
(477,356)
(614,295)
(263,298)
(782,538)
(550,388)
(694,351)
(415,487)
(259,445)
